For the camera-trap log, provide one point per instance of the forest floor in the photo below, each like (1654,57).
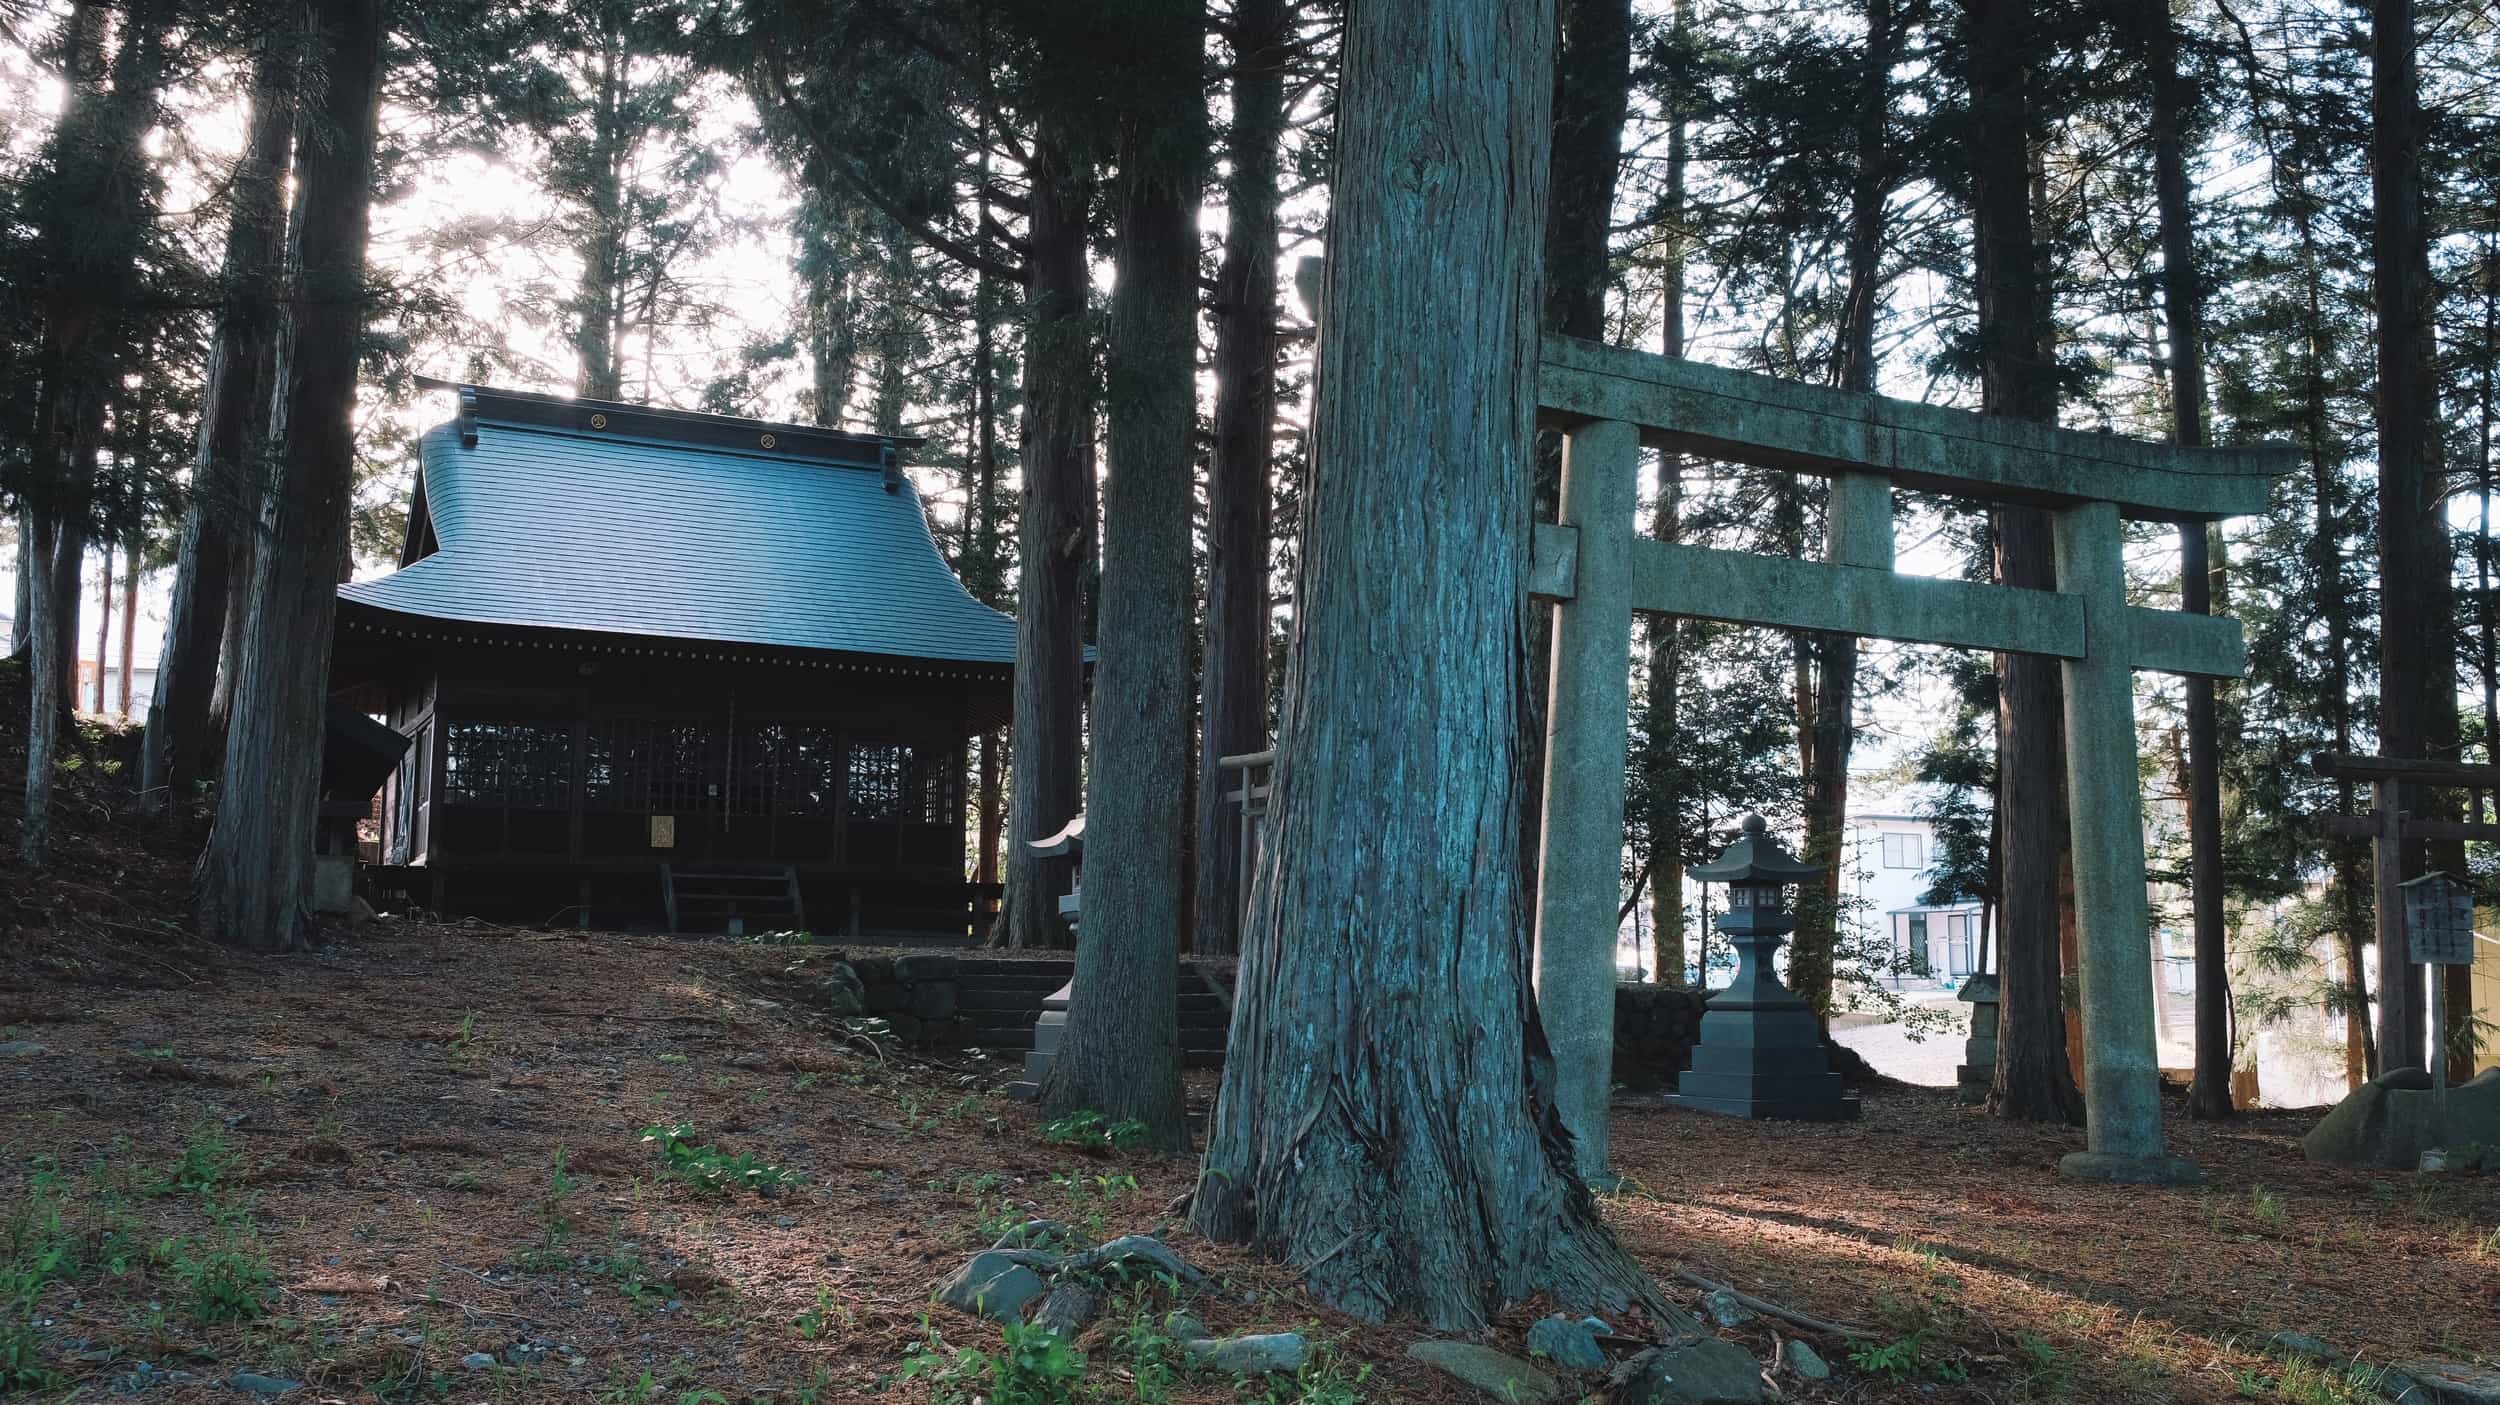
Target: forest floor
(357,1168)
(411,1165)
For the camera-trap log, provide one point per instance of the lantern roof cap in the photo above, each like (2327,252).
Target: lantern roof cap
(1755,857)
(2434,878)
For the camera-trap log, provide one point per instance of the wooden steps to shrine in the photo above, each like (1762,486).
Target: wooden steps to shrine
(735,898)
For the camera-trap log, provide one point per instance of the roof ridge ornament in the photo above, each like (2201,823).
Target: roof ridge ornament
(467,421)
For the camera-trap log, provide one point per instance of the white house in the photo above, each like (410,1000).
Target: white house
(1889,857)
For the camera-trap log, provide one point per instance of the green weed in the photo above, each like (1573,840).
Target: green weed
(817,1322)
(1087,1130)
(464,1044)
(2267,1207)
(227,1283)
(709,1169)
(1092,1198)
(1031,1367)
(208,1160)
(1904,1359)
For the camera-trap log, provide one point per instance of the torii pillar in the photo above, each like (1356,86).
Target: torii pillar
(1587,720)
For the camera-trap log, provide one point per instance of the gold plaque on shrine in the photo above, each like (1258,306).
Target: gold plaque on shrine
(663,831)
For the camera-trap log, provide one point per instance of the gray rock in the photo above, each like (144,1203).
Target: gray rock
(1806,1362)
(1036,1234)
(842,991)
(1250,1354)
(992,1285)
(925,967)
(1066,1309)
(2451,1383)
(1503,1377)
(1134,1252)
(2390,1121)
(1721,1307)
(1571,1345)
(2302,1344)
(933,1000)
(478,1360)
(21,1049)
(258,1384)
(1705,1372)
(1184,1327)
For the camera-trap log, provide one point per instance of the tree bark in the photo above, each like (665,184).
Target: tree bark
(1833,734)
(89,206)
(1233,713)
(212,561)
(2417,643)
(598,297)
(1121,1052)
(253,879)
(1054,542)
(103,621)
(2018,378)
(131,552)
(1387,1122)
(2183,312)
(1665,661)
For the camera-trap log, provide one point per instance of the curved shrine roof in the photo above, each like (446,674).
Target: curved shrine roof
(681,527)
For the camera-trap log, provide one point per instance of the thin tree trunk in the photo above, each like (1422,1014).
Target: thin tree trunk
(1815,945)
(2183,314)
(253,879)
(1665,662)
(1121,1051)
(2017,378)
(103,622)
(131,552)
(1387,1122)
(212,561)
(598,299)
(1233,715)
(1054,542)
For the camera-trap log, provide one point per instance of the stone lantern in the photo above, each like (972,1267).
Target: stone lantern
(1761,1050)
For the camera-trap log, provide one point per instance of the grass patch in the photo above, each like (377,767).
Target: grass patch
(710,1170)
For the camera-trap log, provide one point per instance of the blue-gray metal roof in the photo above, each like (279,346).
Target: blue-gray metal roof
(558,528)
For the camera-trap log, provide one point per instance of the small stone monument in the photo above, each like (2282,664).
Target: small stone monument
(1761,1050)
(1979,1053)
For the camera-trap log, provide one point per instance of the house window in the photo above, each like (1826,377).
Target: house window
(1905,851)
(879,778)
(519,765)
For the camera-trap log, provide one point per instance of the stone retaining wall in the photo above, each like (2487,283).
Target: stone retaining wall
(919,997)
(1655,1029)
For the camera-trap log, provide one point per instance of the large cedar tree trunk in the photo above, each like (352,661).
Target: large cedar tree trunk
(1233,713)
(2183,311)
(2417,639)
(1121,1052)
(1387,1121)
(2018,378)
(228,466)
(254,878)
(1054,543)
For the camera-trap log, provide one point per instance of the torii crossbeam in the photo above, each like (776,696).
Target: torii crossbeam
(1599,570)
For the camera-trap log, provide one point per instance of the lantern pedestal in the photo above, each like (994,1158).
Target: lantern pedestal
(1761,1050)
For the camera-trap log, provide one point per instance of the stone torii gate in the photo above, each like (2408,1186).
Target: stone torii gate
(1598,569)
